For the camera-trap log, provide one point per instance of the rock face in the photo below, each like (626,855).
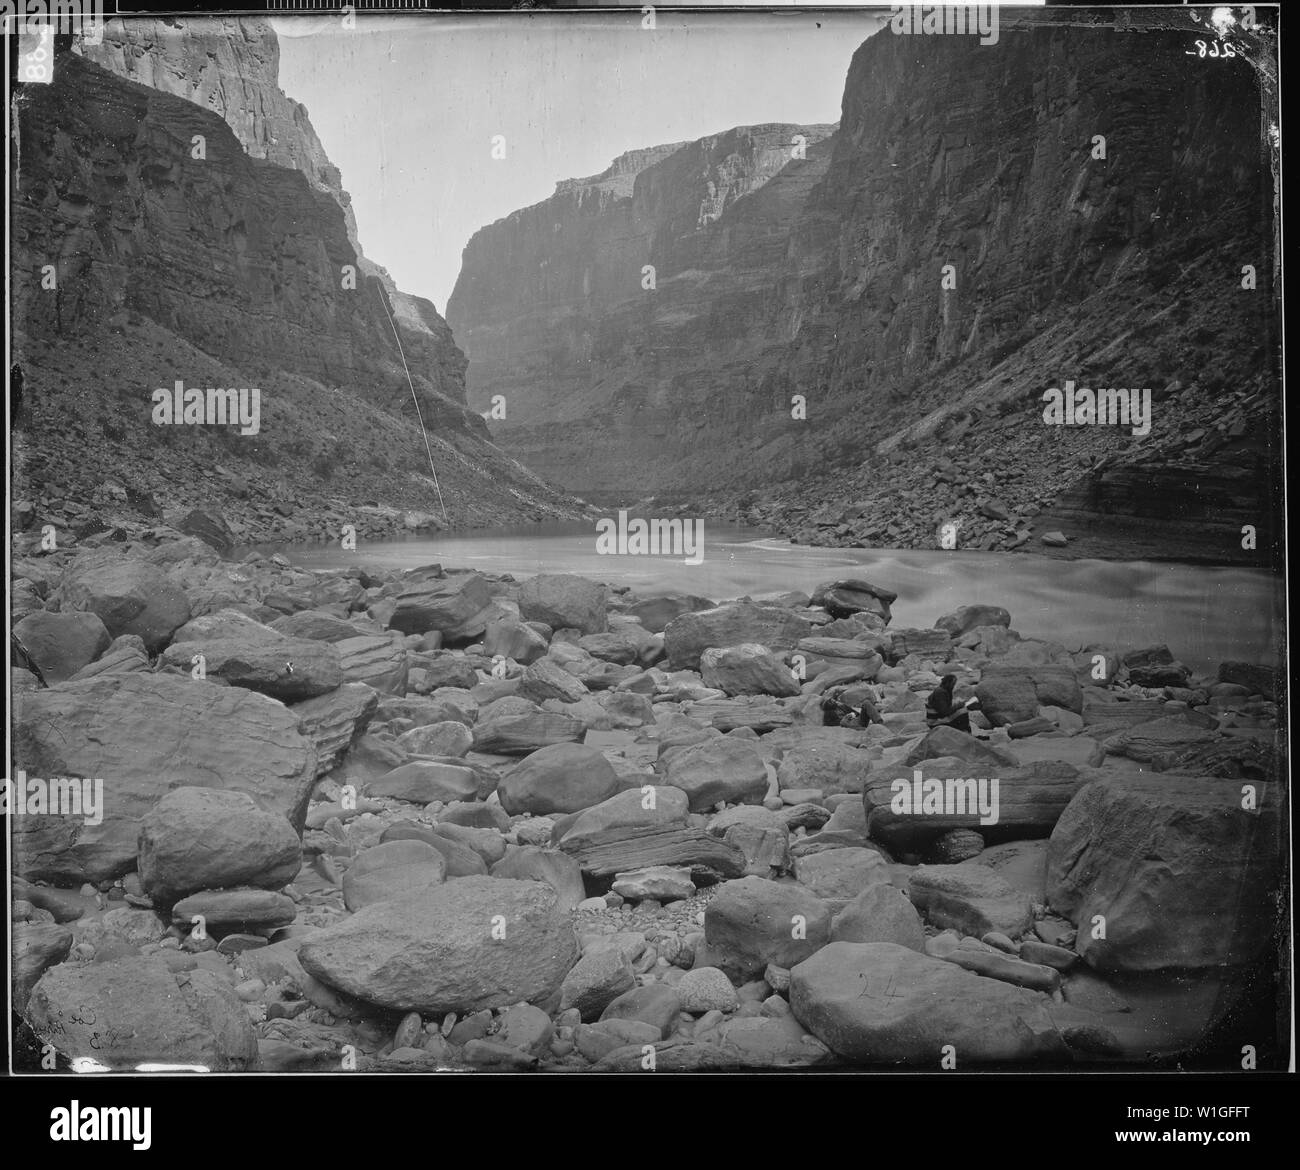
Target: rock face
(1182,874)
(187,265)
(667,206)
(654,386)
(143,735)
(470,944)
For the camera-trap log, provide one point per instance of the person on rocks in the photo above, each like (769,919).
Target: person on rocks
(834,709)
(942,710)
(868,712)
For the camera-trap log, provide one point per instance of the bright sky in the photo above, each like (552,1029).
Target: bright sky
(407,108)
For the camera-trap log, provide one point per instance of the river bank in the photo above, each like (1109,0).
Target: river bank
(404,819)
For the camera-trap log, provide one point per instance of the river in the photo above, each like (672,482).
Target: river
(1204,614)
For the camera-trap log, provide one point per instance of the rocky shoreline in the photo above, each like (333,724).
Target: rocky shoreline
(438,819)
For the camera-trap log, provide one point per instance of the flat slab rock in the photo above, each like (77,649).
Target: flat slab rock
(971,898)
(471,944)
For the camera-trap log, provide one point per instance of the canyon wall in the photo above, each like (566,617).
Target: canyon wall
(141,259)
(986,222)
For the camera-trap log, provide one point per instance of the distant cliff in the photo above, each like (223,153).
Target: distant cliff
(960,245)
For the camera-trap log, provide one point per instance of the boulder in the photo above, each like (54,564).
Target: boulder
(130,596)
(207,838)
(546,679)
(471,944)
(507,638)
(720,769)
(967,617)
(881,1003)
(560,778)
(333,722)
(880,913)
(237,909)
(754,922)
(312,624)
(60,644)
(378,662)
(595,981)
(390,870)
(134,1011)
(446,738)
(145,734)
(687,637)
(524,733)
(844,598)
(971,898)
(424,781)
(825,765)
(457,606)
(563,601)
(837,876)
(1013,693)
(288,669)
(1182,874)
(747,669)
(36,947)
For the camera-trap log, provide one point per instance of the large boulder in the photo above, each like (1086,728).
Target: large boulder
(474,943)
(240,908)
(753,922)
(824,764)
(130,596)
(206,838)
(563,601)
(314,624)
(457,606)
(143,735)
(1030,799)
(687,637)
(561,778)
(881,1003)
(719,769)
(507,638)
(288,669)
(1013,693)
(546,679)
(635,808)
(60,644)
(134,1011)
(747,669)
(1179,873)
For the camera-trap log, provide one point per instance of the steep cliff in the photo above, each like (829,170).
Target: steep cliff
(139,264)
(232,67)
(606,315)
(923,383)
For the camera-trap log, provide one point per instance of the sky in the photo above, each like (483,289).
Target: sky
(407,109)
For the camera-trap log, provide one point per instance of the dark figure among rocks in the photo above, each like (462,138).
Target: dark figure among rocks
(941,710)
